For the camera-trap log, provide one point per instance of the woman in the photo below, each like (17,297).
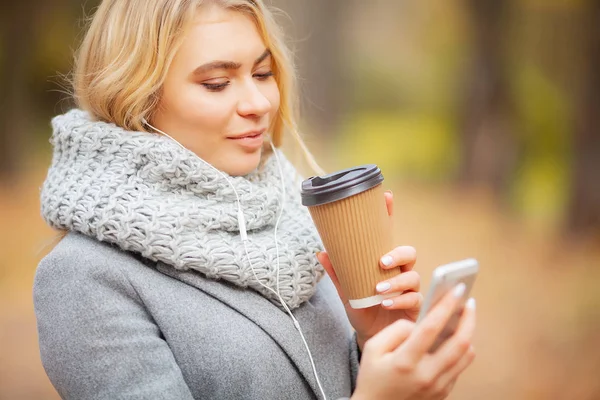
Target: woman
(152,293)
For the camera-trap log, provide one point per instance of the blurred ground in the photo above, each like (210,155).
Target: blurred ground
(438,94)
(538,331)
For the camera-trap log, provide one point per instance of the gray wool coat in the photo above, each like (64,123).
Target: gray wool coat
(113,325)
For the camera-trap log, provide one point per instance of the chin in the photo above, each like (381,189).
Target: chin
(243,165)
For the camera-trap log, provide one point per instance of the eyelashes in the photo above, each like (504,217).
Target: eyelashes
(215,87)
(218,87)
(264,76)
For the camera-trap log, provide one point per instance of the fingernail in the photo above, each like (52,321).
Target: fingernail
(387,302)
(459,290)
(318,253)
(471,303)
(383,286)
(390,192)
(387,260)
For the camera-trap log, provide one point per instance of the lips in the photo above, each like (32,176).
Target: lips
(246,137)
(251,141)
(249,135)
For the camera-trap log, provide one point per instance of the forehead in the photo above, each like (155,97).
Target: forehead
(222,34)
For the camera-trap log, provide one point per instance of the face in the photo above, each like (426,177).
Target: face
(220,97)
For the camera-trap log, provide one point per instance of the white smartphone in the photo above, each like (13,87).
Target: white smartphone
(445,278)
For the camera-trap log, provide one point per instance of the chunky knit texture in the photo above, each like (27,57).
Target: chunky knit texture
(144,193)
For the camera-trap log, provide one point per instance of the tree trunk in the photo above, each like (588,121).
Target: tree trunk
(489,143)
(17,37)
(584,211)
(315,29)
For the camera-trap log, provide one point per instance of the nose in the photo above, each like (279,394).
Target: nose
(253,102)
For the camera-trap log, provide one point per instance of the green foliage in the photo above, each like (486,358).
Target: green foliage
(541,186)
(544,112)
(539,191)
(412,146)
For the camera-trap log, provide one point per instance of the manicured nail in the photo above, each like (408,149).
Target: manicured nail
(471,303)
(459,290)
(387,260)
(387,302)
(383,286)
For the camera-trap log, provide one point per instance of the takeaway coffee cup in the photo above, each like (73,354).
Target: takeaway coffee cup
(350,213)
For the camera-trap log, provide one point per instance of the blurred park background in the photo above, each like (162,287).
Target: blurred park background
(484,116)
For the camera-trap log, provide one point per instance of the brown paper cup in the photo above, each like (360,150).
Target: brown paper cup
(357,232)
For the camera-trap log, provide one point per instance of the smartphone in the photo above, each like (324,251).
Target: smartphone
(445,278)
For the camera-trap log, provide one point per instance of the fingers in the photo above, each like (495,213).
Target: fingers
(448,378)
(454,349)
(389,338)
(406,301)
(389,202)
(427,331)
(401,256)
(409,280)
(408,283)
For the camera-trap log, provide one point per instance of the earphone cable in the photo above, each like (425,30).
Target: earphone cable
(244,236)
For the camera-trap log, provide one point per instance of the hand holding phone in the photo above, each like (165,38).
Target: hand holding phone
(445,278)
(398,362)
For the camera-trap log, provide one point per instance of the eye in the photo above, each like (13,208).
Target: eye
(264,77)
(215,87)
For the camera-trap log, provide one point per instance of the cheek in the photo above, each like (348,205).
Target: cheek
(202,108)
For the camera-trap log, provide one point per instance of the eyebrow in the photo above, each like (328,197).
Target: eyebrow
(228,64)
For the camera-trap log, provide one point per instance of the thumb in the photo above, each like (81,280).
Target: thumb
(323,258)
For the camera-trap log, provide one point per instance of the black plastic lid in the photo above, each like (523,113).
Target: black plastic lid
(339,185)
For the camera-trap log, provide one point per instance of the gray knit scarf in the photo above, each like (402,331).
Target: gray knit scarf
(144,193)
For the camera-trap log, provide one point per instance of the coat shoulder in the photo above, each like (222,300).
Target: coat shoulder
(83,261)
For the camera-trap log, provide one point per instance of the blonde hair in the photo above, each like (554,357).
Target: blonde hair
(123,60)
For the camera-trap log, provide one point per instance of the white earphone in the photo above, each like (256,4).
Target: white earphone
(244,236)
